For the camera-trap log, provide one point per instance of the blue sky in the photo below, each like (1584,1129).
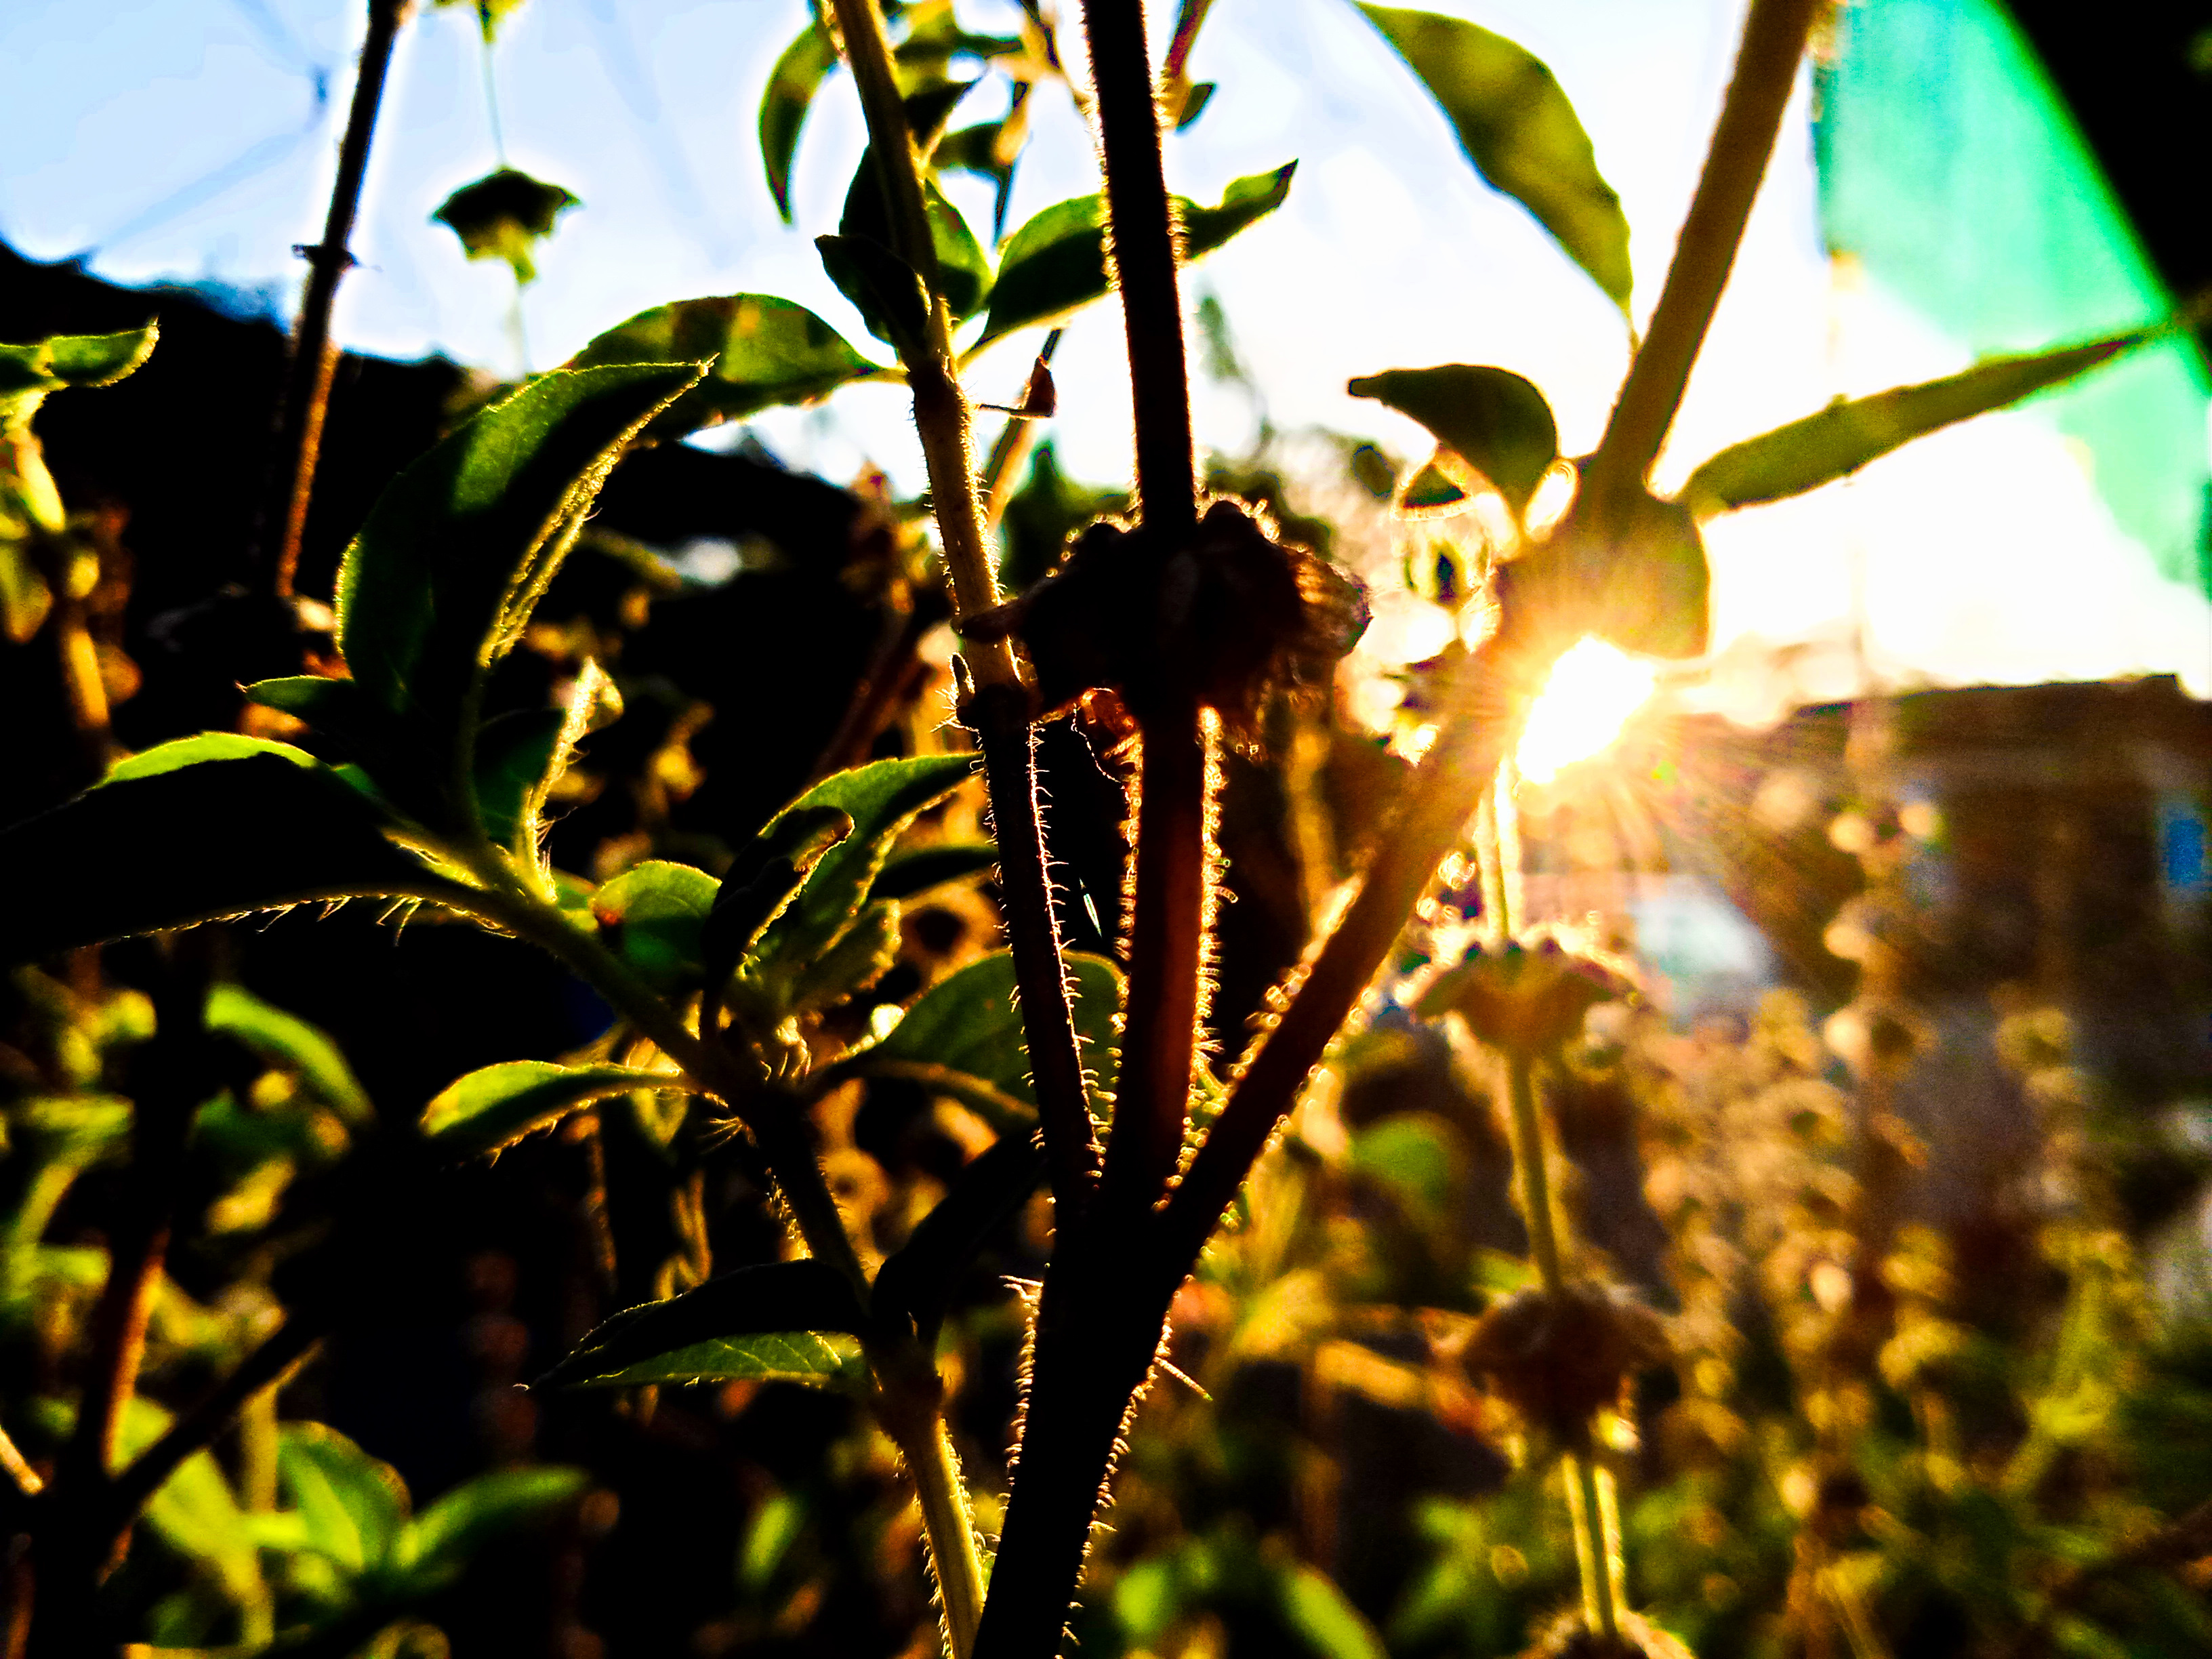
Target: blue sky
(195,139)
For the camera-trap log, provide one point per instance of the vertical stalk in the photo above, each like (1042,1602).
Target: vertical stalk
(1532,1169)
(1774,37)
(307,379)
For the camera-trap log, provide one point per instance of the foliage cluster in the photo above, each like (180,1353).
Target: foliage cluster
(1422,1396)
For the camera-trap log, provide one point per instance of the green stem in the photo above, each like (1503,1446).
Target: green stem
(1532,1169)
(1774,37)
(1597,1541)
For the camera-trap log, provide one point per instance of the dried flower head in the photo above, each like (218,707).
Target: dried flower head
(1223,617)
(1558,1357)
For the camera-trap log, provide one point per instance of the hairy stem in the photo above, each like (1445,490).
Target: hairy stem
(307,379)
(1141,239)
(1166,954)
(1000,707)
(911,1409)
(1774,37)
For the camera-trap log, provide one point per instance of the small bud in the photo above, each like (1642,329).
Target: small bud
(1527,998)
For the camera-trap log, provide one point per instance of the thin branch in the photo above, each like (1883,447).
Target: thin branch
(307,380)
(1142,248)
(1774,37)
(282,1351)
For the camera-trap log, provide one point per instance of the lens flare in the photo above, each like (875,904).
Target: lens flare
(1593,690)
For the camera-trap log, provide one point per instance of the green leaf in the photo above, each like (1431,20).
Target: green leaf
(969,1022)
(887,292)
(1057,261)
(29,374)
(514,753)
(180,752)
(1851,432)
(657,912)
(863,954)
(918,1280)
(764,879)
(441,581)
(791,84)
(1521,132)
(438,1545)
(1320,1612)
(1415,1155)
(964,268)
(881,799)
(983,150)
(812,1358)
(766,351)
(186,844)
(504,216)
(1498,421)
(286,1040)
(783,1300)
(353,1506)
(495,1106)
(905,874)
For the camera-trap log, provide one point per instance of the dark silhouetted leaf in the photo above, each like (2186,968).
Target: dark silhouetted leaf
(1193,105)
(863,954)
(657,912)
(286,1040)
(881,800)
(764,879)
(905,874)
(766,351)
(1521,132)
(964,268)
(791,84)
(887,292)
(1498,421)
(514,752)
(498,1105)
(1057,261)
(443,578)
(504,216)
(790,1301)
(918,1280)
(175,846)
(969,1023)
(1851,432)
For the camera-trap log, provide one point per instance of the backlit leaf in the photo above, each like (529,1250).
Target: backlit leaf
(1056,262)
(791,84)
(964,268)
(969,1022)
(437,1546)
(172,847)
(1851,432)
(657,913)
(818,1359)
(498,1105)
(881,799)
(443,578)
(354,1506)
(780,1302)
(766,351)
(1498,421)
(1521,132)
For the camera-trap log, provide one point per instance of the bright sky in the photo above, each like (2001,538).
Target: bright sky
(194,140)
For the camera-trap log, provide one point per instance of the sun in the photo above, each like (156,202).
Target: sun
(1593,690)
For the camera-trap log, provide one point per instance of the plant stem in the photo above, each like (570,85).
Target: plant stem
(912,1412)
(307,379)
(1141,238)
(1774,37)
(1167,944)
(1000,707)
(1531,1166)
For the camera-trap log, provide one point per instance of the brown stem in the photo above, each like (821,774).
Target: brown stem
(1447,788)
(137,1482)
(1142,248)
(1167,944)
(1001,718)
(1774,37)
(307,379)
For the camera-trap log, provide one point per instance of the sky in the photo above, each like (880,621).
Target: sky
(194,140)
